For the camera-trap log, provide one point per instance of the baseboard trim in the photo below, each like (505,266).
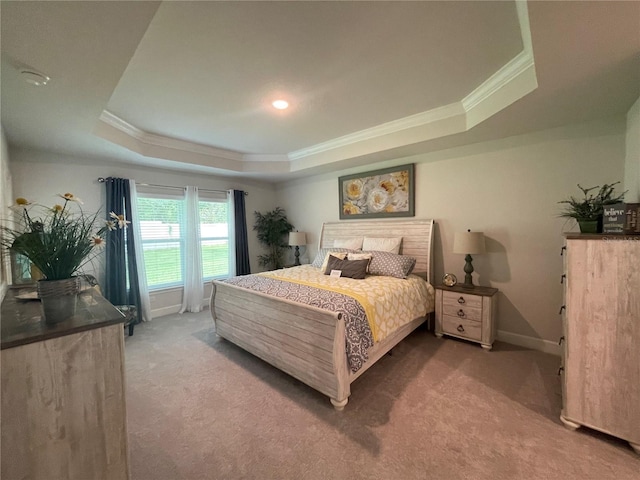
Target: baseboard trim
(533,343)
(161,312)
(171,309)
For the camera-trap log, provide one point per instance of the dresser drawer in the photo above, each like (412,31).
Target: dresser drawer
(463,312)
(461,299)
(462,327)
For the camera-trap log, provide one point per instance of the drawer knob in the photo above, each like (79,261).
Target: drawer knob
(460,328)
(461,313)
(562,250)
(461,300)
(561,340)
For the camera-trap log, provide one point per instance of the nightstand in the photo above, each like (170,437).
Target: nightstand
(467,313)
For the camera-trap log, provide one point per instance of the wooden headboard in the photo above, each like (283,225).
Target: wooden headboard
(417,238)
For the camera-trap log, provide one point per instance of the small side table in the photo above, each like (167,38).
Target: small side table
(467,313)
(130,313)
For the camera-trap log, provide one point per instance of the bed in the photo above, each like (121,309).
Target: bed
(311,343)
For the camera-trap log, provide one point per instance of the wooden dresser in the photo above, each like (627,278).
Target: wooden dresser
(63,397)
(601,325)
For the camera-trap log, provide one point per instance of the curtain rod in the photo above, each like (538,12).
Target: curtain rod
(102,180)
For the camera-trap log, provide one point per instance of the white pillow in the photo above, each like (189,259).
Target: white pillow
(340,255)
(361,256)
(321,256)
(382,244)
(352,243)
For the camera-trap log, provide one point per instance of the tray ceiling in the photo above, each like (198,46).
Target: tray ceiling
(188,85)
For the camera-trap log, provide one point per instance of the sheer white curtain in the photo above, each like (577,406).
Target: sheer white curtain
(193,287)
(231,222)
(145,304)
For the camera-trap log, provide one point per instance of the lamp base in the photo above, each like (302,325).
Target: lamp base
(297,255)
(468,270)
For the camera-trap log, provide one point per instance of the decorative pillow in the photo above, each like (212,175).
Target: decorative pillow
(322,254)
(391,265)
(348,268)
(361,256)
(382,244)
(353,243)
(339,255)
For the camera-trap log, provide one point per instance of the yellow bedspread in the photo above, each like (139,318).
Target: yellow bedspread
(388,302)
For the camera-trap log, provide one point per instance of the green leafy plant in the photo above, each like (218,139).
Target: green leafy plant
(591,205)
(57,241)
(273,228)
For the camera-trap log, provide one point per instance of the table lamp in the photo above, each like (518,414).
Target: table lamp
(468,243)
(296,239)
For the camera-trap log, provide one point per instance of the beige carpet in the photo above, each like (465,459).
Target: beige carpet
(201,408)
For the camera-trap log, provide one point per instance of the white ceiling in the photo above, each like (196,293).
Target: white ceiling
(188,85)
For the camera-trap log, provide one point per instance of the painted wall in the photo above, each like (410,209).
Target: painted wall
(6,199)
(509,189)
(632,159)
(39,176)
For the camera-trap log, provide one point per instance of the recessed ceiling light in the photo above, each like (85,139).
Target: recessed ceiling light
(280,104)
(34,78)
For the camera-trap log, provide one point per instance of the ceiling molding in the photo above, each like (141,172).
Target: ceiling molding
(417,120)
(163,141)
(511,82)
(516,66)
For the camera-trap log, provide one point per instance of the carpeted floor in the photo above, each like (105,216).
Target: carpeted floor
(201,408)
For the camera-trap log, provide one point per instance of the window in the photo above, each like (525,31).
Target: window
(162,224)
(162,240)
(214,238)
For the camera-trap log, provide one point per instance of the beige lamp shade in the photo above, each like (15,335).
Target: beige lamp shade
(469,243)
(297,238)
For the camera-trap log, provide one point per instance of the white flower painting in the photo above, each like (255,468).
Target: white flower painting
(381,193)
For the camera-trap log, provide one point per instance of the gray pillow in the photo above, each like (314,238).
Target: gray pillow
(348,268)
(391,265)
(323,252)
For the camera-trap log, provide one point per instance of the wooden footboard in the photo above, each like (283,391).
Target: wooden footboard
(306,342)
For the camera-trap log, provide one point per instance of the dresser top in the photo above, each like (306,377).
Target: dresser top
(475,290)
(22,321)
(601,236)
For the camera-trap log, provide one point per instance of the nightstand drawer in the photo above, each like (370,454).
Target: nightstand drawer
(463,312)
(461,327)
(462,299)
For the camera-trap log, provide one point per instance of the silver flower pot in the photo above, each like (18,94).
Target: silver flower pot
(58,298)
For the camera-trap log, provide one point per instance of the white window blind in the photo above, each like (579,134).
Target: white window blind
(161,224)
(162,220)
(214,237)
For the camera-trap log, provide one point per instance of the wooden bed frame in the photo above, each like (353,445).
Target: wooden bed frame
(307,342)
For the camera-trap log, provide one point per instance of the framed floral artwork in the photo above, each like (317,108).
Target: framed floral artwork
(388,192)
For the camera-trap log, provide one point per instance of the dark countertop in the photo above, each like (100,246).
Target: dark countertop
(475,290)
(22,323)
(601,236)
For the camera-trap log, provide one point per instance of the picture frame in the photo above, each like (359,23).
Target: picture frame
(388,192)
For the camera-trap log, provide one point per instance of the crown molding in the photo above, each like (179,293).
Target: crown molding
(389,128)
(166,142)
(516,66)
(514,80)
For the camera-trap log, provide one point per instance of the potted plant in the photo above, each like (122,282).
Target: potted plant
(58,242)
(273,228)
(589,209)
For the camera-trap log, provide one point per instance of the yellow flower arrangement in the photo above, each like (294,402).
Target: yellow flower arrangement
(58,242)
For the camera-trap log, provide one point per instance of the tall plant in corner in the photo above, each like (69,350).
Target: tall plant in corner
(273,229)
